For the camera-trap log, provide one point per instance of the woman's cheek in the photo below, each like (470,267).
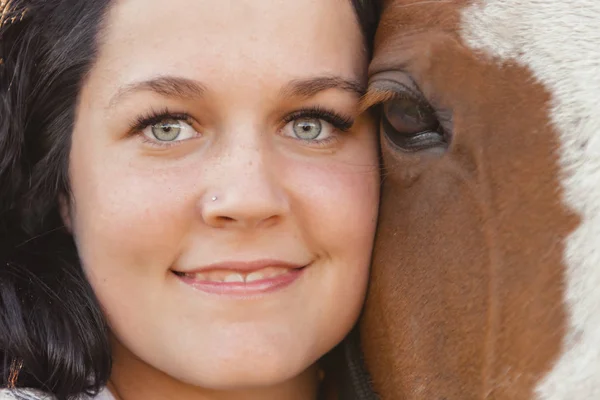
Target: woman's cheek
(130,219)
(339,202)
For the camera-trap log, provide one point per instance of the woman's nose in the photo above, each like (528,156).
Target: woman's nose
(247,191)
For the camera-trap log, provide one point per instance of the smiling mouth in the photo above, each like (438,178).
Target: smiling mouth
(239,283)
(229,276)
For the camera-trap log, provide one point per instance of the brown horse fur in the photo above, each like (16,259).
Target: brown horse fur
(486,272)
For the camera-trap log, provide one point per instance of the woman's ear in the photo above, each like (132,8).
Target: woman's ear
(65,212)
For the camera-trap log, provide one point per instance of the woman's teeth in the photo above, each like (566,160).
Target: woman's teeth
(238,277)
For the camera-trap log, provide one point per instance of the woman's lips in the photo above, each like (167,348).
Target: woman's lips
(242,278)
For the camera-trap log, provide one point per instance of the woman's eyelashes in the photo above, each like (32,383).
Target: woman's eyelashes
(164,128)
(312,126)
(316,126)
(169,131)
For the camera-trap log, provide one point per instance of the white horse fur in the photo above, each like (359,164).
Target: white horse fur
(559,42)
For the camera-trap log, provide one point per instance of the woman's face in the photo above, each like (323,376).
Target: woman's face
(224,205)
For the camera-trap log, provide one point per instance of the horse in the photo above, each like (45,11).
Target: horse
(485,280)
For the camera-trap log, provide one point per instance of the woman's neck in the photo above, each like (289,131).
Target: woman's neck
(132,379)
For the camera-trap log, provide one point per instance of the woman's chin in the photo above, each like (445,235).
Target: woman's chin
(240,373)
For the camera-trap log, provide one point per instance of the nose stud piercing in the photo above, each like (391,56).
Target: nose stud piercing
(214,198)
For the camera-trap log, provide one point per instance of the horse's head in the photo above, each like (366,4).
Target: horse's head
(486,273)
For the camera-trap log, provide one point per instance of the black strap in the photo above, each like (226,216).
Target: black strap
(355,381)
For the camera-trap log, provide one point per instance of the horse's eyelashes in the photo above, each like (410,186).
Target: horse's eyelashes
(408,120)
(412,125)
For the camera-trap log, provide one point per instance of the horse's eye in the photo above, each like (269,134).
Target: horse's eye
(411,125)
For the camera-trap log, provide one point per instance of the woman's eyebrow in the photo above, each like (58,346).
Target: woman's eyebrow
(169,86)
(179,87)
(312,86)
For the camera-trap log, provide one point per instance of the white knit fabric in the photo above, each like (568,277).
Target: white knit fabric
(24,394)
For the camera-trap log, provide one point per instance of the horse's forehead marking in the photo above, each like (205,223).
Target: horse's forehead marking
(558,41)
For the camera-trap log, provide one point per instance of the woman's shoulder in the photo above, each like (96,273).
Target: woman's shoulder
(27,394)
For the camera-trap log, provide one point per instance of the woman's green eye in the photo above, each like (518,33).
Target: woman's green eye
(167,131)
(170,130)
(307,128)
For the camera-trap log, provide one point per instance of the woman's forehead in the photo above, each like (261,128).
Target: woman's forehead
(272,39)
